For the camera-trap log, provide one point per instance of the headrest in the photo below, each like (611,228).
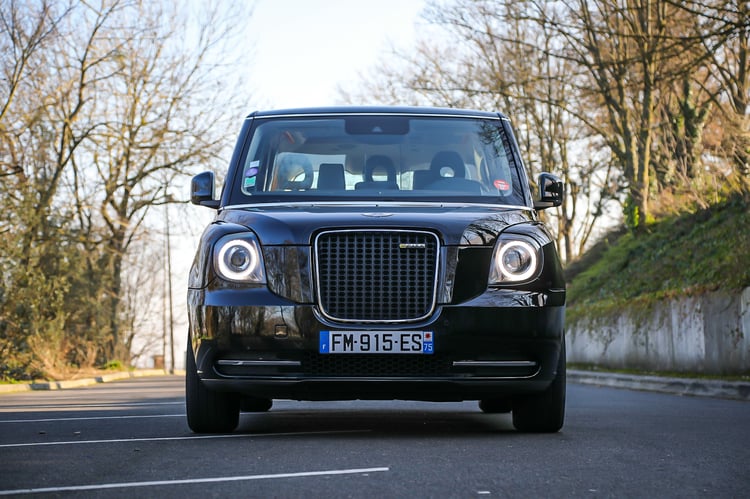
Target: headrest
(448,164)
(381,165)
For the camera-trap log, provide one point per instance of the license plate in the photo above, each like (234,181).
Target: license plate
(414,342)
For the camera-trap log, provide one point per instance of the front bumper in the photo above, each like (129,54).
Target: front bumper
(503,342)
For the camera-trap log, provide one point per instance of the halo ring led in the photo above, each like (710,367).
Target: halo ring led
(532,266)
(231,272)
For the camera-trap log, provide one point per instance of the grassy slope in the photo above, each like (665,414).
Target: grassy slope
(690,254)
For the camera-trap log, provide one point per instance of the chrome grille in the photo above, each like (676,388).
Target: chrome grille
(376,275)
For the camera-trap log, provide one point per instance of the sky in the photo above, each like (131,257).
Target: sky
(305,49)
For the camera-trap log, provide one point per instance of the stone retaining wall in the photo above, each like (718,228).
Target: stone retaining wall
(704,334)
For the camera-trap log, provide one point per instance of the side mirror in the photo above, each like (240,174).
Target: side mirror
(202,190)
(551,191)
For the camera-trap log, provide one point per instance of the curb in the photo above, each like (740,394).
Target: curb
(734,390)
(79,383)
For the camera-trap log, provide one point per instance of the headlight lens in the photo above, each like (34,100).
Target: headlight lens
(515,260)
(237,258)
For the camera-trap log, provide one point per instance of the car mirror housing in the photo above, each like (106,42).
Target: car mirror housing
(202,190)
(551,191)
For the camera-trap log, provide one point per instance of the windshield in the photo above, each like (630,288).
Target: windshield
(379,157)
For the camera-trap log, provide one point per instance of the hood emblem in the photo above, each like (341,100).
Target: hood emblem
(377,215)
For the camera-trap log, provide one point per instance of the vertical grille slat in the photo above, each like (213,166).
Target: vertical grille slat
(376,275)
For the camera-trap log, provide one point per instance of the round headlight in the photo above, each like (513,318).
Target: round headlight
(239,260)
(516,261)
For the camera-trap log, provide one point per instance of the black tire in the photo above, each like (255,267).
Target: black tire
(208,411)
(255,404)
(495,405)
(543,412)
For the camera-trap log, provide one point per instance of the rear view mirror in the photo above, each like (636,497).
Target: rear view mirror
(202,190)
(551,191)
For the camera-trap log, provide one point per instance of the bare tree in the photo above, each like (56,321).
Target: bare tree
(495,55)
(103,102)
(163,114)
(42,127)
(624,51)
(723,29)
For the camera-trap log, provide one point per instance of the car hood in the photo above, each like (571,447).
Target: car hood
(458,224)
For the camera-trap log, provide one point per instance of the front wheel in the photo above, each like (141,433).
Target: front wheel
(543,412)
(208,411)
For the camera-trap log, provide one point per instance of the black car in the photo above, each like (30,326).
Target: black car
(376,253)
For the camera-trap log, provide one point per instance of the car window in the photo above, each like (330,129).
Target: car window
(380,156)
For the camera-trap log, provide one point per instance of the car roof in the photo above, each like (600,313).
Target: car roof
(377,110)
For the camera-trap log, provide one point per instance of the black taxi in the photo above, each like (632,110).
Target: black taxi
(376,253)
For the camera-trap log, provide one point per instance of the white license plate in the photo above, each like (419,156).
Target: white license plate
(414,342)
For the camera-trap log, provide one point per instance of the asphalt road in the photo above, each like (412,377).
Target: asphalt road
(130,439)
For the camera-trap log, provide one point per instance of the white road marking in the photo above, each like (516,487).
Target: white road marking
(15,408)
(193,437)
(90,418)
(104,486)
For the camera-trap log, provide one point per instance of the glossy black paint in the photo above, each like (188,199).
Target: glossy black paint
(279,320)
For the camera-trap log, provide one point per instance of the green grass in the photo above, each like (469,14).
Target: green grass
(685,255)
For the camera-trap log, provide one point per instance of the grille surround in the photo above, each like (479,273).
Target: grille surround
(376,275)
